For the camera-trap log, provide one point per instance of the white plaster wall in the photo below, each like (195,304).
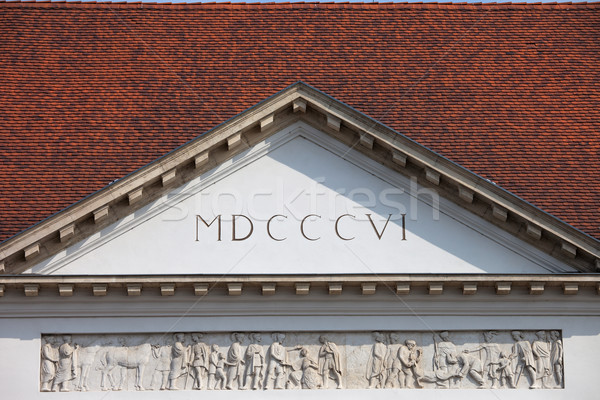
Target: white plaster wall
(23,320)
(297,172)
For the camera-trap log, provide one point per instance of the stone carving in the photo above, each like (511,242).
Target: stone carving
(123,358)
(392,363)
(411,369)
(255,362)
(235,361)
(505,371)
(162,367)
(445,362)
(198,359)
(525,360)
(556,356)
(471,366)
(179,363)
(85,359)
(329,362)
(541,351)
(304,372)
(49,360)
(376,364)
(277,363)
(65,370)
(303,360)
(491,355)
(216,369)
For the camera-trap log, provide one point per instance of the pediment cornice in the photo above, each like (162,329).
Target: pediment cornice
(302,284)
(360,132)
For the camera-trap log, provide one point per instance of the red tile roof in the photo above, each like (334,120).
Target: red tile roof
(91,92)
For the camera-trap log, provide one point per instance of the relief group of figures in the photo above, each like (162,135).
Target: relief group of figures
(197,365)
(187,362)
(489,365)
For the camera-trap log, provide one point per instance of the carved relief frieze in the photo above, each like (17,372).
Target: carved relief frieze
(302,360)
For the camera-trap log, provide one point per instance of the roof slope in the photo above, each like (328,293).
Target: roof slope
(92,92)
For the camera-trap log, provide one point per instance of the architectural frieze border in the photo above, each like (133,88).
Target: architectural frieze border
(493,359)
(300,101)
(237,285)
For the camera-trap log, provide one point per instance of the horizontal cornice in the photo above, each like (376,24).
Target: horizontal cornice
(237,285)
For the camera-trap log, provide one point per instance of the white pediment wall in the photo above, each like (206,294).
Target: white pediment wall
(297,172)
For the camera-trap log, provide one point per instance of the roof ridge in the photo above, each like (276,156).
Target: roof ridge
(301,4)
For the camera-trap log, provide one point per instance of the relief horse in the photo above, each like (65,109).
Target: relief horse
(83,362)
(127,358)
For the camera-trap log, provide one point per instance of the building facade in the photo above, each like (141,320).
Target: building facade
(301,247)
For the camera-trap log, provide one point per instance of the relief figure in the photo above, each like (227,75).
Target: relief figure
(216,369)
(525,361)
(235,361)
(376,363)
(49,360)
(179,362)
(556,358)
(392,363)
(470,366)
(329,362)
(541,352)
(410,357)
(504,370)
(198,360)
(304,372)
(255,362)
(491,353)
(276,363)
(65,371)
(445,360)
(163,366)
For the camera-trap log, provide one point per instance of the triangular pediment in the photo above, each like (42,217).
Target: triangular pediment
(297,154)
(366,219)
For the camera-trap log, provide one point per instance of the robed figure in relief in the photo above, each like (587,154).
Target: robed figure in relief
(49,360)
(235,361)
(66,370)
(160,376)
(376,363)
(491,355)
(392,363)
(276,363)
(199,353)
(329,362)
(255,361)
(523,352)
(541,350)
(179,361)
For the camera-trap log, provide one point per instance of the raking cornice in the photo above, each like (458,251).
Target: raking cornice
(300,102)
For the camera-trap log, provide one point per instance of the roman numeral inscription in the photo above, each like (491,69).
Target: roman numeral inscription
(302,360)
(242,226)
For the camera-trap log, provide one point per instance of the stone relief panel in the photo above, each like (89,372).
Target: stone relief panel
(302,360)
